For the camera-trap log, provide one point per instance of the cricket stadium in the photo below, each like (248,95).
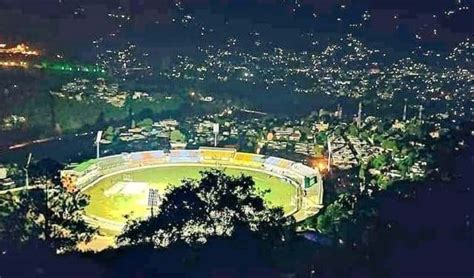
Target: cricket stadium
(131,185)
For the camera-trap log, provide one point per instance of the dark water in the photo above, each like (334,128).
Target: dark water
(64,149)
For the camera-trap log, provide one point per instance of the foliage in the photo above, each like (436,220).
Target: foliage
(49,214)
(328,222)
(380,161)
(348,219)
(321,138)
(382,182)
(390,145)
(353,131)
(415,129)
(146,123)
(405,164)
(218,205)
(16,173)
(109,133)
(54,215)
(177,136)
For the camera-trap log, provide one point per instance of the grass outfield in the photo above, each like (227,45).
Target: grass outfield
(115,206)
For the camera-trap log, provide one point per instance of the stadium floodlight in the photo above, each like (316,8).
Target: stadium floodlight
(330,153)
(420,113)
(97,143)
(215,129)
(27,166)
(153,199)
(359,116)
(405,111)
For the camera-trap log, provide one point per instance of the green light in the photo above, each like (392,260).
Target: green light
(71,67)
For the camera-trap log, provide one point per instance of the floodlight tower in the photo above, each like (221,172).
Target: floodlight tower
(97,143)
(359,116)
(405,111)
(215,129)
(27,166)
(330,154)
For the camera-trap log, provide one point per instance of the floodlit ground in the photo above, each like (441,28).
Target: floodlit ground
(126,194)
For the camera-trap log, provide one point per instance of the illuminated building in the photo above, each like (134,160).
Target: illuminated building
(21,49)
(12,64)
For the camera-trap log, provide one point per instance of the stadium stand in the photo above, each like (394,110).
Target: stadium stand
(249,159)
(283,163)
(146,158)
(90,170)
(86,166)
(303,169)
(244,157)
(155,157)
(278,162)
(80,175)
(282,167)
(217,154)
(271,161)
(111,164)
(135,159)
(302,176)
(184,156)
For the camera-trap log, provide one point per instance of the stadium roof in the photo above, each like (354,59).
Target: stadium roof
(217,149)
(85,165)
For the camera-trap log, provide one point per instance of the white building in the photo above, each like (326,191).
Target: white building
(3,172)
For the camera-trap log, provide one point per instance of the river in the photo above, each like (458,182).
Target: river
(64,149)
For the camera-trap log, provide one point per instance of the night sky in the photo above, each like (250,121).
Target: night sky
(55,19)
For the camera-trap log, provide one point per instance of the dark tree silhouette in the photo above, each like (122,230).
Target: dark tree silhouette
(218,205)
(50,214)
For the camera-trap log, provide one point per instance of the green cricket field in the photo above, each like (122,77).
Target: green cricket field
(126,194)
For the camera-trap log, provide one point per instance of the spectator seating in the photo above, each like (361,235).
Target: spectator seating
(111,163)
(217,154)
(91,170)
(278,162)
(184,156)
(249,159)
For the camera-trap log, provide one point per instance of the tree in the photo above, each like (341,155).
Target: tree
(379,161)
(349,218)
(390,145)
(50,214)
(353,130)
(177,136)
(218,205)
(321,138)
(13,170)
(382,182)
(405,164)
(327,222)
(414,130)
(145,123)
(109,133)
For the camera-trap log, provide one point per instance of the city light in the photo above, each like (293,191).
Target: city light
(320,163)
(13,64)
(21,49)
